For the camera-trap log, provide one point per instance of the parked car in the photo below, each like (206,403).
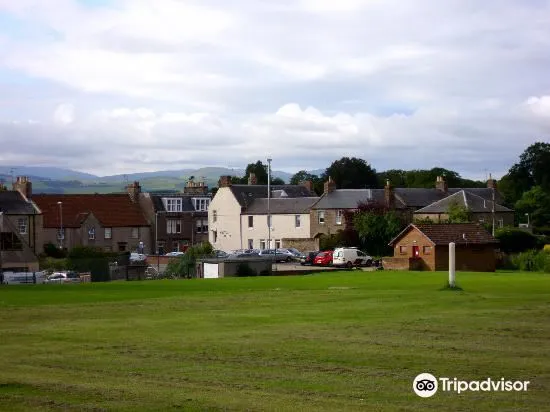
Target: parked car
(137,257)
(296,254)
(175,254)
(220,254)
(308,258)
(276,255)
(350,256)
(323,258)
(63,277)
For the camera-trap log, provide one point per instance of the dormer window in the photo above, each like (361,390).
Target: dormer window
(173,204)
(201,204)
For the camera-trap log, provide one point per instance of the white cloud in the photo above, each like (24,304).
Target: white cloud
(403,84)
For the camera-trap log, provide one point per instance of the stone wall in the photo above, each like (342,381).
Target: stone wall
(303,245)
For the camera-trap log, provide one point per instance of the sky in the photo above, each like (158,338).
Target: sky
(122,86)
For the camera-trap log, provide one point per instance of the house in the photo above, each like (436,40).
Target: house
(178,219)
(328,213)
(20,229)
(113,222)
(481,209)
(426,246)
(238,216)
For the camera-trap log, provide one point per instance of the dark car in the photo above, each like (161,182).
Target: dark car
(308,257)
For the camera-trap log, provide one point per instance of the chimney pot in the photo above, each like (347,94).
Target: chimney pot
(330,185)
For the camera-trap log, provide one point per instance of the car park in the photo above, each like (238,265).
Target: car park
(276,255)
(308,258)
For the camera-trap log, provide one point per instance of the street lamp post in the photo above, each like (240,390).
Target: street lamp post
(268,204)
(61,234)
(157,237)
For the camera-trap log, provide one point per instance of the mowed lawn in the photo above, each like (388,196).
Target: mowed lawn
(330,341)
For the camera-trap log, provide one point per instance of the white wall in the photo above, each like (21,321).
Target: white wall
(283,226)
(227,225)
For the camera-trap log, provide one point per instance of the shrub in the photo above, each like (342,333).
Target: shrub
(90,259)
(244,270)
(53,264)
(51,250)
(532,261)
(515,240)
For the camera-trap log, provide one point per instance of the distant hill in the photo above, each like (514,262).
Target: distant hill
(56,173)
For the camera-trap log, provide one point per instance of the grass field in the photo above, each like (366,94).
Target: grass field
(330,341)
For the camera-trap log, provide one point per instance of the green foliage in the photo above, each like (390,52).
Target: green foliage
(54,251)
(425,178)
(303,175)
(184,266)
(535,202)
(458,213)
(351,173)
(424,221)
(515,240)
(376,227)
(244,270)
(532,261)
(53,264)
(90,259)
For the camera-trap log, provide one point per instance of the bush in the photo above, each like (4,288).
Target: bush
(532,261)
(244,270)
(516,240)
(51,250)
(52,264)
(90,259)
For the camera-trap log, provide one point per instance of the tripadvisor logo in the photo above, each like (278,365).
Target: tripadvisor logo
(426,385)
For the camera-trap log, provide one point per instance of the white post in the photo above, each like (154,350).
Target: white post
(452,261)
(268,205)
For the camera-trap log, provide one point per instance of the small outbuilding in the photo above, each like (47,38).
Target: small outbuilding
(426,247)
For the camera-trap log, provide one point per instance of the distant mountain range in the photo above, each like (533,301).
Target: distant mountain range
(59,180)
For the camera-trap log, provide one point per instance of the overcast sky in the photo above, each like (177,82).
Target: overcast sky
(121,86)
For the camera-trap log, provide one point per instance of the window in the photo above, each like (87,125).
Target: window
(10,241)
(262,244)
(108,233)
(122,246)
(297,221)
(91,233)
(403,250)
(250,243)
(250,222)
(161,245)
(501,223)
(204,225)
(339,214)
(269,221)
(214,216)
(107,249)
(199,226)
(201,204)
(427,250)
(173,226)
(321,217)
(278,244)
(22,225)
(215,236)
(135,233)
(172,204)
(61,234)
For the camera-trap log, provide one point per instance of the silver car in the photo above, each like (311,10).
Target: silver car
(276,255)
(63,277)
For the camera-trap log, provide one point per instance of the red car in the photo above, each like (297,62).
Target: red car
(323,258)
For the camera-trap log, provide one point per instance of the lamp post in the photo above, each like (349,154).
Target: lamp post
(157,237)
(61,234)
(268,204)
(527,214)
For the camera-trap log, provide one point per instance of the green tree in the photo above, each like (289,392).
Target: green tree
(303,176)
(458,213)
(535,202)
(397,178)
(351,173)
(184,266)
(277,181)
(376,226)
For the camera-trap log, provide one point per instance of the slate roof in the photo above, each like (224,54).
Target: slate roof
(13,203)
(404,197)
(443,234)
(290,205)
(246,194)
(112,210)
(464,198)
(186,203)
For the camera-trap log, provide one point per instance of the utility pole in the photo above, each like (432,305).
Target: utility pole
(268,204)
(493,211)
(61,233)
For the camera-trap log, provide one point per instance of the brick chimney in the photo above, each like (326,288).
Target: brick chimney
(134,189)
(441,184)
(252,179)
(389,195)
(491,183)
(308,184)
(23,185)
(3,187)
(330,185)
(225,181)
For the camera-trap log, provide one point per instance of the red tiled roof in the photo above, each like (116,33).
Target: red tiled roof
(445,233)
(112,210)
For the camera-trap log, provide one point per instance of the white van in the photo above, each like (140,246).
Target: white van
(23,278)
(349,257)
